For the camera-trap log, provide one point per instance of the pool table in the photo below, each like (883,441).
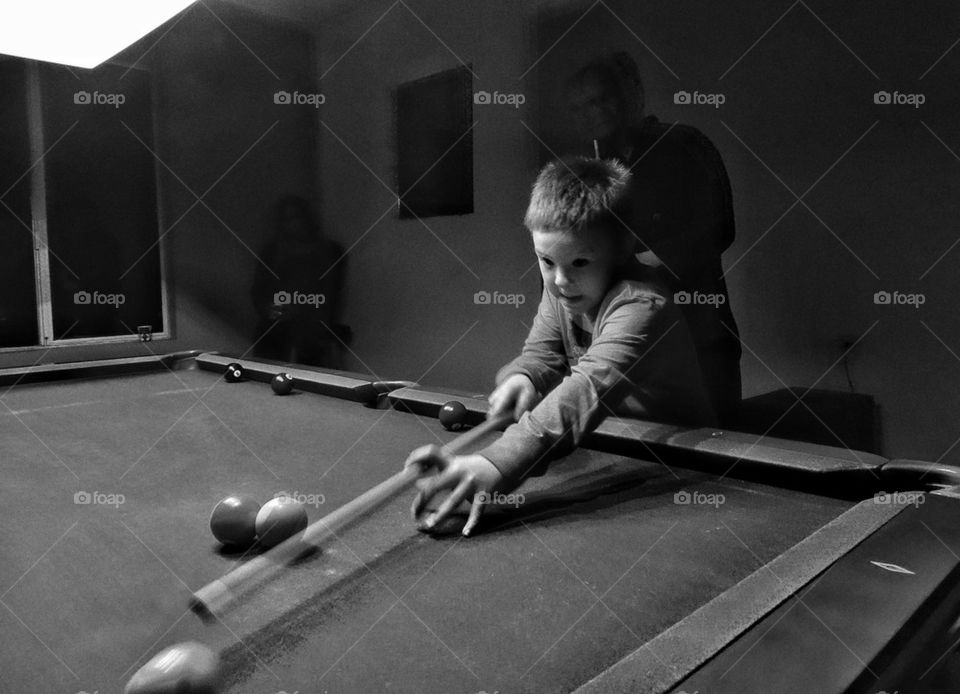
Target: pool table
(654,558)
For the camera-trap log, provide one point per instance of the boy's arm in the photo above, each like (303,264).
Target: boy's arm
(603,376)
(542,359)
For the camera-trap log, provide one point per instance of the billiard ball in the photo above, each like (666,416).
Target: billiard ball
(280,518)
(188,667)
(233,373)
(234,520)
(453,415)
(282,384)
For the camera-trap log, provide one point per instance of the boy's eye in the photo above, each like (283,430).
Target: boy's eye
(547,262)
(581,262)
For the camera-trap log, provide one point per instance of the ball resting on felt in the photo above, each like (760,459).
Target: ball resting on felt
(278,519)
(453,415)
(233,373)
(186,668)
(234,520)
(282,384)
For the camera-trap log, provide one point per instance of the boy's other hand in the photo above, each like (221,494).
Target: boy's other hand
(516,395)
(469,477)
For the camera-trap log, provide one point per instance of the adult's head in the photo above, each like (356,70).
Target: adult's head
(606,96)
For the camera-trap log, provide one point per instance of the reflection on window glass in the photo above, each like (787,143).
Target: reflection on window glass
(18,299)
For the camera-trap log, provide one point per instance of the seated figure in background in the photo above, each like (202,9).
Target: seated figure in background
(296,291)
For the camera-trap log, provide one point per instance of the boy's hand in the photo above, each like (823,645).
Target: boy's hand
(516,394)
(470,477)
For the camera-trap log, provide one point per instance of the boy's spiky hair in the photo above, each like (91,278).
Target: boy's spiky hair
(577,192)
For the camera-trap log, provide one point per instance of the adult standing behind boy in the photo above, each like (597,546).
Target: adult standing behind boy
(607,339)
(681,209)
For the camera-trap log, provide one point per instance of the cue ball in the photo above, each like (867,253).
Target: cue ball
(453,415)
(190,668)
(282,384)
(233,373)
(278,519)
(234,520)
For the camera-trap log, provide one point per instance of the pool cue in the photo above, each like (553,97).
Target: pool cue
(596,150)
(215,597)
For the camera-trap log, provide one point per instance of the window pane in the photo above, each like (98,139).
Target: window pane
(101,201)
(18,300)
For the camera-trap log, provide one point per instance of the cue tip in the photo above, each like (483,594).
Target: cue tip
(199,608)
(209,600)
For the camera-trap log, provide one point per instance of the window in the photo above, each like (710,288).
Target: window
(80,253)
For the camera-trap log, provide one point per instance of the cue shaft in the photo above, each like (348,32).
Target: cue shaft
(468,438)
(216,597)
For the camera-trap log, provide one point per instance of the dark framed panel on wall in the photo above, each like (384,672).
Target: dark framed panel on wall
(434,118)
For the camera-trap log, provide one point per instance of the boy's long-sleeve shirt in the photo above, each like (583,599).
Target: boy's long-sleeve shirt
(638,362)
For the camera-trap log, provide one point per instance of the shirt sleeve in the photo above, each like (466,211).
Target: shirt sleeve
(610,369)
(543,359)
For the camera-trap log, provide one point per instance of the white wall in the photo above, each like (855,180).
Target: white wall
(798,99)
(410,284)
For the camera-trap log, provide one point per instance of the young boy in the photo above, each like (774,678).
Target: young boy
(606,340)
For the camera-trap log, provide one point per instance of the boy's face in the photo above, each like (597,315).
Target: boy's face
(577,267)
